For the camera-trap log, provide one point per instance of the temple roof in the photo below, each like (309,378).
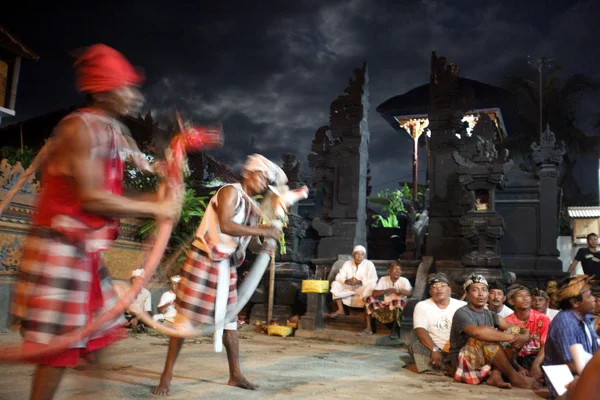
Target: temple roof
(9,42)
(416,102)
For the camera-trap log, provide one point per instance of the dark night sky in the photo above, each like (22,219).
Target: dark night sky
(269,69)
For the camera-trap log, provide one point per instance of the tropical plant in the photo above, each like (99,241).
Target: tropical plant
(25,155)
(393,204)
(192,211)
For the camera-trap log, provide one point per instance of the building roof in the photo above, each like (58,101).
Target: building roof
(10,42)
(584,212)
(416,102)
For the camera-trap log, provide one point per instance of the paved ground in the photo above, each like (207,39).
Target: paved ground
(290,368)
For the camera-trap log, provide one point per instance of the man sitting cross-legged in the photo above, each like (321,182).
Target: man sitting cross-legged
(530,357)
(476,338)
(432,320)
(354,283)
(388,299)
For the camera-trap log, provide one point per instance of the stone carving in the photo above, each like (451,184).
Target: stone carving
(480,172)
(448,103)
(10,174)
(339,161)
(10,255)
(548,151)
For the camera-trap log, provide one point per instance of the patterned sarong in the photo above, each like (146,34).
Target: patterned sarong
(475,361)
(61,288)
(197,291)
(385,312)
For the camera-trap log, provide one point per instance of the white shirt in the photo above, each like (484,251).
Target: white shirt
(437,321)
(167,298)
(505,312)
(365,272)
(143,301)
(385,283)
(551,313)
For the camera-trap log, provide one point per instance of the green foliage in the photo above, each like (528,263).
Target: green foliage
(393,204)
(192,212)
(14,155)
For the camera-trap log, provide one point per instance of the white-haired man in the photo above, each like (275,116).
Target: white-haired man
(230,221)
(354,283)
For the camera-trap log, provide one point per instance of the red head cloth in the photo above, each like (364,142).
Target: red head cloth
(101,68)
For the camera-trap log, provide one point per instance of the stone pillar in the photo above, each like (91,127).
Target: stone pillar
(548,157)
(446,110)
(339,161)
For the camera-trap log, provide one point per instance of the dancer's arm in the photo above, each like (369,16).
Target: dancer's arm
(73,156)
(226,201)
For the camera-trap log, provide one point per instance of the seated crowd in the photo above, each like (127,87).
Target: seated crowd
(498,335)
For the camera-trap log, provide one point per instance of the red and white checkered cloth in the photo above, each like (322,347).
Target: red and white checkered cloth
(466,373)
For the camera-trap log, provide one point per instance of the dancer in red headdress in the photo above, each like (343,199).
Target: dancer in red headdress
(63,285)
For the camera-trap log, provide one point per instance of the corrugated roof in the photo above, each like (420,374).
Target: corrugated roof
(584,212)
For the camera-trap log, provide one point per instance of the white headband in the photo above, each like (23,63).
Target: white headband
(274,173)
(359,248)
(175,278)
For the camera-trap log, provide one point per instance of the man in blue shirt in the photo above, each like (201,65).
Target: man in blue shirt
(572,325)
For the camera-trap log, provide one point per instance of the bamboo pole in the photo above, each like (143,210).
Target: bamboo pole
(271,289)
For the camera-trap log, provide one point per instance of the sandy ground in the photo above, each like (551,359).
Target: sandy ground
(290,368)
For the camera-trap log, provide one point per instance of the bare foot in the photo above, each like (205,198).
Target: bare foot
(335,314)
(525,382)
(495,379)
(241,382)
(164,387)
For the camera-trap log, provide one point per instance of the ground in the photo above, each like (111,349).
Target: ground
(290,368)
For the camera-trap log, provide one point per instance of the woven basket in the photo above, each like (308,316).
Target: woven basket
(277,330)
(314,286)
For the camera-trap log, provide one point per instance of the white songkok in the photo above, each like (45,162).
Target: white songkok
(359,248)
(137,272)
(176,278)
(274,173)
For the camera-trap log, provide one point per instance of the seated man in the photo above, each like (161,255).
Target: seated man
(354,282)
(541,303)
(388,299)
(476,337)
(143,301)
(572,325)
(596,314)
(166,305)
(530,357)
(432,319)
(497,299)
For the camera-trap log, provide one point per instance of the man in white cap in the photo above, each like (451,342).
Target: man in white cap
(143,302)
(354,283)
(166,305)
(228,224)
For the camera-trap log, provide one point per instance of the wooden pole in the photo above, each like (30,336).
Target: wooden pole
(415,166)
(271,289)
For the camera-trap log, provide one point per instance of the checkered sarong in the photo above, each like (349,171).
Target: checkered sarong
(475,361)
(197,291)
(385,311)
(57,290)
